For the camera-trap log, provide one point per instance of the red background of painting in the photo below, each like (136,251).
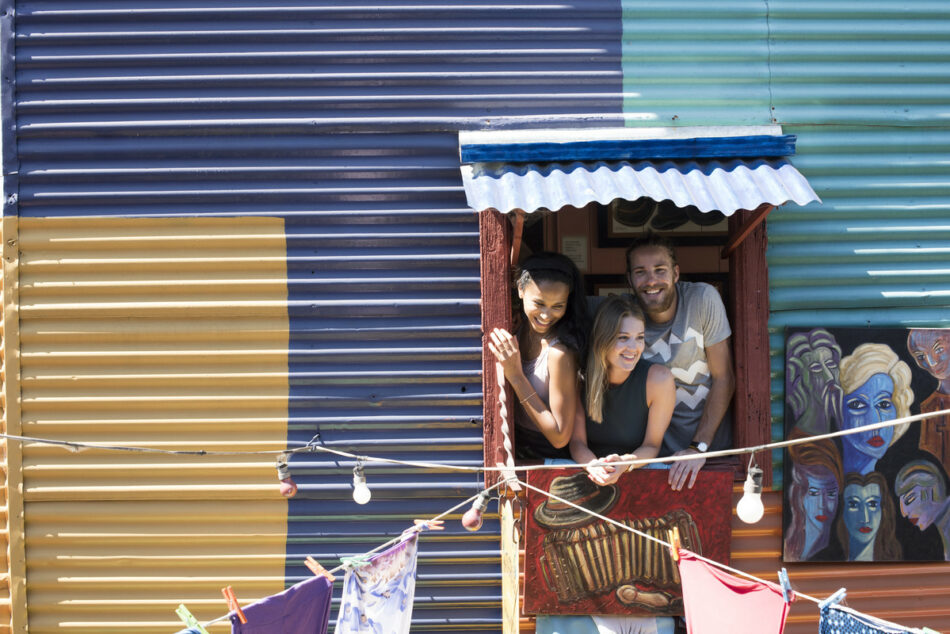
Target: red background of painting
(642,493)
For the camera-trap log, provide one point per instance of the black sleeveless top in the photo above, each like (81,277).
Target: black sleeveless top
(625,416)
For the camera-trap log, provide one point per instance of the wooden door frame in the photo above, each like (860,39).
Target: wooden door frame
(749,307)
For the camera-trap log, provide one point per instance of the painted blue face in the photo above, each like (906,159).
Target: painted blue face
(862,511)
(821,499)
(870,403)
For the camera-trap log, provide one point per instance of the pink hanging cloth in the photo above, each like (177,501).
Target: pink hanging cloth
(719,603)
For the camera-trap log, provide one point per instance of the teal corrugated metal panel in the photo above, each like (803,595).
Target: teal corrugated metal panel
(876,62)
(695,63)
(865,87)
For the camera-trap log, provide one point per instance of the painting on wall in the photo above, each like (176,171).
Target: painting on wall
(620,221)
(579,564)
(878,495)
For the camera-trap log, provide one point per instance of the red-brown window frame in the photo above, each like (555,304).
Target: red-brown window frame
(748,303)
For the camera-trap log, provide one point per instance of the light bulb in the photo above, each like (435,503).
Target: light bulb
(361,492)
(472,520)
(750,509)
(288,488)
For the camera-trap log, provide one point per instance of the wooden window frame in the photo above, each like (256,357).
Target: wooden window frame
(749,307)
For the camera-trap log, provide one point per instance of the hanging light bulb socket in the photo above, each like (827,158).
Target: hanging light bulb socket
(361,492)
(750,508)
(472,520)
(288,488)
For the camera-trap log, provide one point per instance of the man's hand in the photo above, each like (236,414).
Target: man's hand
(684,472)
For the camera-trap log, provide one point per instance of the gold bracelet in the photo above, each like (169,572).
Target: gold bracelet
(527,397)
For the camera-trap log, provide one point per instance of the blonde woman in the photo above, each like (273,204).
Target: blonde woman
(629,400)
(876,386)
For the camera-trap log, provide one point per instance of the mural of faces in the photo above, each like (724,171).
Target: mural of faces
(874,495)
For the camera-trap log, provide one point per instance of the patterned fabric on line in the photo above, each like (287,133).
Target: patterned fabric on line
(836,621)
(377,596)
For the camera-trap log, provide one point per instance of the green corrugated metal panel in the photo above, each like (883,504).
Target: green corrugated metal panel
(695,62)
(864,86)
(877,62)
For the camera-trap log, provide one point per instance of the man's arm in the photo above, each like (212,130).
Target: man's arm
(722,387)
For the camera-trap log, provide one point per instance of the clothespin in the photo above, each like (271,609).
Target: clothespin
(674,536)
(189,619)
(837,597)
(509,476)
(233,604)
(356,561)
(430,525)
(317,569)
(787,593)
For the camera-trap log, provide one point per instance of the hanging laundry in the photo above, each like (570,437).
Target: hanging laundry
(564,624)
(719,603)
(300,609)
(378,595)
(837,620)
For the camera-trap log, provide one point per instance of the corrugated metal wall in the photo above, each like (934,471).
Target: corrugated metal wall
(242,224)
(864,86)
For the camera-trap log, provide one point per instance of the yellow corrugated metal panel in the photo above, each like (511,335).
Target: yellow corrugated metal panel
(15,551)
(168,333)
(913,594)
(6,616)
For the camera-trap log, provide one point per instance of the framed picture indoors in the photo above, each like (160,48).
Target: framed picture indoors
(621,221)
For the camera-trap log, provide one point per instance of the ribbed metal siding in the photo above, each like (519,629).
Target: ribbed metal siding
(341,121)
(864,86)
(692,62)
(155,332)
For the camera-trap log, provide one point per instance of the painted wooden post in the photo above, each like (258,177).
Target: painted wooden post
(749,299)
(495,244)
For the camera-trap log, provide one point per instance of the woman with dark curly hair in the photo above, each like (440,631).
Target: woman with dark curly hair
(542,361)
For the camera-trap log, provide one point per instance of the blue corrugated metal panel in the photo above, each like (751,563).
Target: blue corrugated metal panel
(725,186)
(342,120)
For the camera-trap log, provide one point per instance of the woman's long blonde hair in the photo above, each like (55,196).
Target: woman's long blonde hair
(606,326)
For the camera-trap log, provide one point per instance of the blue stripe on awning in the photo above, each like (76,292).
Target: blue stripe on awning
(759,146)
(726,186)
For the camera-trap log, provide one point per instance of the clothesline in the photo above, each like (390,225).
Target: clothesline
(713,562)
(313,447)
(395,540)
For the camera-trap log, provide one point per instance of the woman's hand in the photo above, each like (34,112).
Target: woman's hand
(604,474)
(505,348)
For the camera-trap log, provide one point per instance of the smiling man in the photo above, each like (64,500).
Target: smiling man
(686,330)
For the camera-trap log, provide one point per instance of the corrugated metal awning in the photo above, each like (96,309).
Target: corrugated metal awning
(719,182)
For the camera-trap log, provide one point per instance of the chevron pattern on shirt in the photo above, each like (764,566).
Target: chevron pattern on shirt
(693,400)
(688,375)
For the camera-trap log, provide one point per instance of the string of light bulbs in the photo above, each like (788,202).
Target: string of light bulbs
(313,447)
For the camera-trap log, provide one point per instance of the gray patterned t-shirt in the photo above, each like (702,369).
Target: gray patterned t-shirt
(680,344)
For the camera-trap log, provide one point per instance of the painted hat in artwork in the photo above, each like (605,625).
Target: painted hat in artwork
(578,489)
